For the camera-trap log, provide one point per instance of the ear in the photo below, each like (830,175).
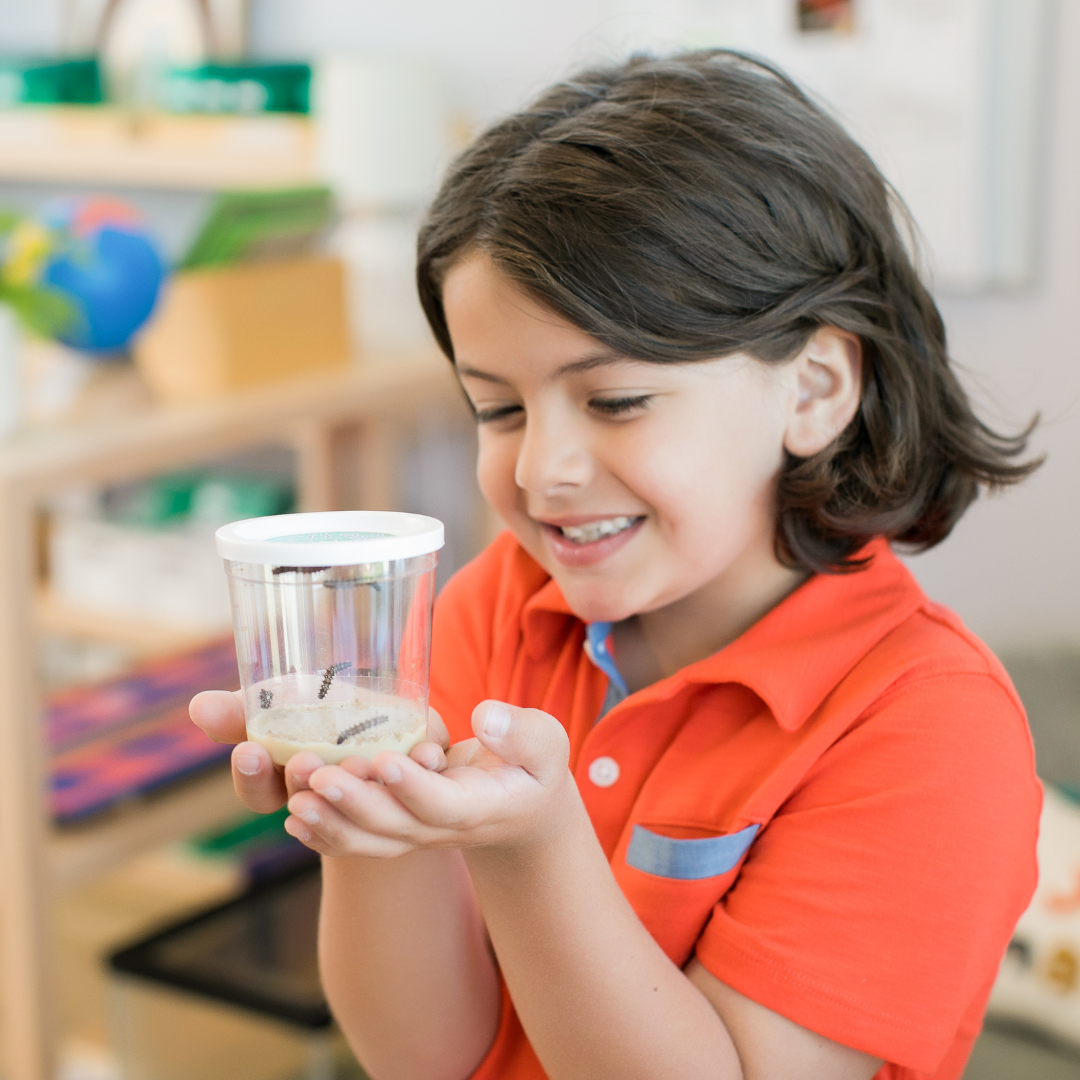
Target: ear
(826,377)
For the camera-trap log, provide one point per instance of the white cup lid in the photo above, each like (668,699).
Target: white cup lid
(331,538)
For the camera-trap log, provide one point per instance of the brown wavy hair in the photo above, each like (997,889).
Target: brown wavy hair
(692,207)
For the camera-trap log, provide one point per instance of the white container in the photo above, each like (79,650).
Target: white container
(383,133)
(166,575)
(332,616)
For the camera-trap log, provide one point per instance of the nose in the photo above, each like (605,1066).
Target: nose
(552,458)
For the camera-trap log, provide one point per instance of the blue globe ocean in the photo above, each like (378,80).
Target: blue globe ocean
(99,255)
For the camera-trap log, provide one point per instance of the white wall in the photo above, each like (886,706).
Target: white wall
(496,52)
(1011,567)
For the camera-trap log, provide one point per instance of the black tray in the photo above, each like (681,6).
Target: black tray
(257,951)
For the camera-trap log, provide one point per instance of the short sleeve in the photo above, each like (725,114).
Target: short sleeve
(874,908)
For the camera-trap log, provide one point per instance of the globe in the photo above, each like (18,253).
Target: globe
(98,254)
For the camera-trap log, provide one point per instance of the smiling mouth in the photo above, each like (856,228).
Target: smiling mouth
(597,530)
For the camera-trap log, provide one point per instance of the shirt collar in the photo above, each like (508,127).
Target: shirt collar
(543,618)
(798,653)
(794,656)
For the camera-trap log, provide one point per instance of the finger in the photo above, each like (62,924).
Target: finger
(220,714)
(332,833)
(435,800)
(532,739)
(360,767)
(465,752)
(259,785)
(313,839)
(299,769)
(431,755)
(436,730)
(299,831)
(365,803)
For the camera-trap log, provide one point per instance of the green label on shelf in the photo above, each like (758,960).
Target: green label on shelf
(241,88)
(327,537)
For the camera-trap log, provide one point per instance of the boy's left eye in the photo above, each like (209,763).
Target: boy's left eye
(619,406)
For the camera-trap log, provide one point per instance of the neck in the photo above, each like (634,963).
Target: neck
(655,644)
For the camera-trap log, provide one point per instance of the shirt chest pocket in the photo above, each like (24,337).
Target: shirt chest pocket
(674,882)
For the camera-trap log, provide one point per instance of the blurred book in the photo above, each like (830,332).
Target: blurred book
(246,225)
(127,736)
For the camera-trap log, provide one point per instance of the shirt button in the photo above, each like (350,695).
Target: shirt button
(604,771)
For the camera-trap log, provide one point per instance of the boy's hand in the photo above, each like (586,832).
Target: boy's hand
(501,789)
(261,785)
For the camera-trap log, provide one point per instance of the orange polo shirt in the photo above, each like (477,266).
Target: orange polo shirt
(836,813)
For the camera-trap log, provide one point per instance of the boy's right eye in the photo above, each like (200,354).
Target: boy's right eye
(497,412)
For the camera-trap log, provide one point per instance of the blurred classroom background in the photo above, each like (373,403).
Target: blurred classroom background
(207,217)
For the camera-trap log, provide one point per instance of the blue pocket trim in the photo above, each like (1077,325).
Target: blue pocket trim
(687,860)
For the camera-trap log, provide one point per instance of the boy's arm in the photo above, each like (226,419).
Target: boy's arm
(403,955)
(406,966)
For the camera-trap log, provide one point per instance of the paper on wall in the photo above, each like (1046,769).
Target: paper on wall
(945,95)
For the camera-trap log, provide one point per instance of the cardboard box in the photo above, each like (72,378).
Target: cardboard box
(223,328)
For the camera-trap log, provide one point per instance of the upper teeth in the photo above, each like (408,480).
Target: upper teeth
(586,534)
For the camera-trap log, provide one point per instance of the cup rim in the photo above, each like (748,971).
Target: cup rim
(329,538)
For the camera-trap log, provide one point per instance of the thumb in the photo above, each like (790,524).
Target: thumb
(529,738)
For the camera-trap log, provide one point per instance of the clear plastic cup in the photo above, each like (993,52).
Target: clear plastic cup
(332,616)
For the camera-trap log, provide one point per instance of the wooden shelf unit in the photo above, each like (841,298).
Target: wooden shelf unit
(99,144)
(345,431)
(54,615)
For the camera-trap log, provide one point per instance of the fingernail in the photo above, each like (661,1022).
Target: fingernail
(294,828)
(247,764)
(391,773)
(497,721)
(311,816)
(332,793)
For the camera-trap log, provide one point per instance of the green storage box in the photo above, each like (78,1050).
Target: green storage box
(30,81)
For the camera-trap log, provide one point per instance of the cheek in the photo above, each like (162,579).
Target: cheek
(495,464)
(696,474)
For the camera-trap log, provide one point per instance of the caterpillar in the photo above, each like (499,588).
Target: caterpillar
(328,676)
(266,698)
(364,725)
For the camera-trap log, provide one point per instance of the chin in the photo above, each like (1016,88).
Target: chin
(597,605)
(591,601)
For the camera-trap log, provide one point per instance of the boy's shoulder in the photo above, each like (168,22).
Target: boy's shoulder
(930,647)
(839,648)
(934,644)
(927,689)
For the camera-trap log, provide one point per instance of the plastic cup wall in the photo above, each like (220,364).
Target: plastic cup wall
(334,634)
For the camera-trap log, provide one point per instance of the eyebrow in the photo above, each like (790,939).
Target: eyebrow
(603,358)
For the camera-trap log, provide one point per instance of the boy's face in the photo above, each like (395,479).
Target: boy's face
(633,484)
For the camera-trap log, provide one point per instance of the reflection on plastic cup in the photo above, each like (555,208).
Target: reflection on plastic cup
(332,615)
